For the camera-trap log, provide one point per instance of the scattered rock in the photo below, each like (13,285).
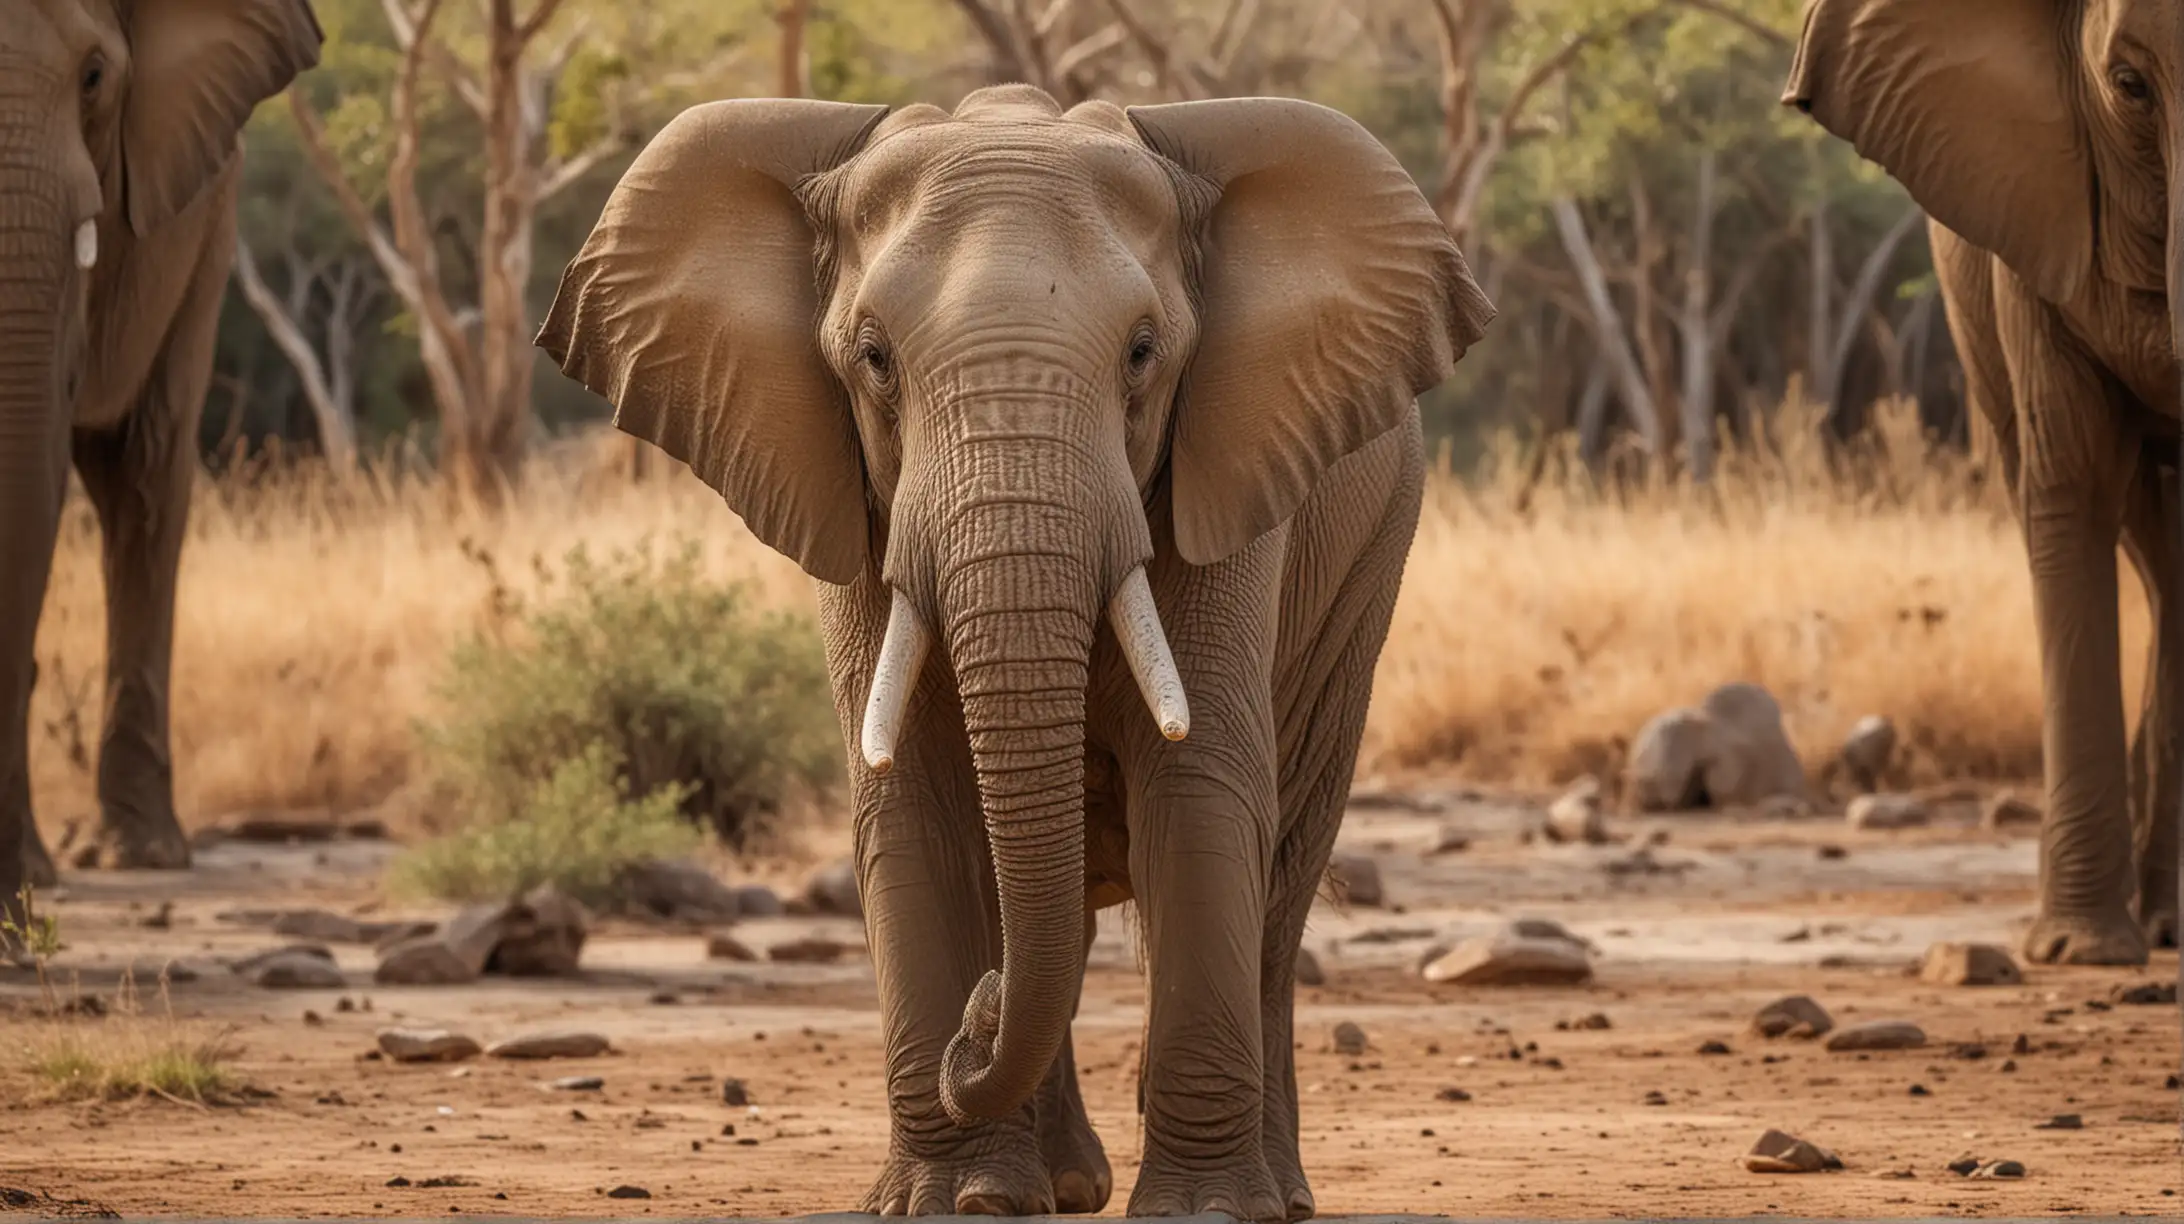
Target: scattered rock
(1752,758)
(160,919)
(577,1083)
(676,890)
(1452,1094)
(295,969)
(1831,853)
(1656,1097)
(1780,1152)
(2023,1045)
(457,952)
(1963,1166)
(810,950)
(728,947)
(426,1045)
(256,960)
(1793,1016)
(571,1044)
(1886,812)
(833,890)
(541,936)
(1667,768)
(319,924)
(2006,810)
(2145,993)
(447,1181)
(1592,1021)
(1348,1039)
(732,1092)
(1970,964)
(1308,969)
(1547,928)
(1450,840)
(757,901)
(1999,1170)
(1919,1090)
(1878,1035)
(1643,862)
(1511,959)
(1867,751)
(1357,880)
(2061,1122)
(1714,1047)
(1575,817)
(629,1192)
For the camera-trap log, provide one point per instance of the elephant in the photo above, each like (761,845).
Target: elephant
(1097,431)
(2045,140)
(119,167)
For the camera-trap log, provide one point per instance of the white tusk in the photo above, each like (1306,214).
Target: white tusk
(902,656)
(87,245)
(1137,628)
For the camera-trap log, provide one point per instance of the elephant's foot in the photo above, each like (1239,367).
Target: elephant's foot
(2086,939)
(1076,1162)
(145,846)
(1002,1175)
(1289,1180)
(2159,926)
(1242,1188)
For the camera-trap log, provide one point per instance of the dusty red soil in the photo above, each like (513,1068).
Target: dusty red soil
(1562,1129)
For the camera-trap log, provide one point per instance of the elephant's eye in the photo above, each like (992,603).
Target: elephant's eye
(94,72)
(2129,83)
(878,363)
(1141,351)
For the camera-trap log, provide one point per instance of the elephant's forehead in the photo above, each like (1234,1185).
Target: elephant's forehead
(56,29)
(1059,172)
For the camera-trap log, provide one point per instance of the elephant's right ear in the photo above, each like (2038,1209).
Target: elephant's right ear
(1968,104)
(693,308)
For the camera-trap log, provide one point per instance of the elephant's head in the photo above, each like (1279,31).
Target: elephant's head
(2050,132)
(114,115)
(961,354)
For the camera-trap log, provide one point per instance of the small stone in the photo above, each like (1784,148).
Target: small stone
(1794,1016)
(833,890)
(426,1045)
(1970,964)
(1450,840)
(1348,1039)
(728,948)
(1666,770)
(1831,853)
(1867,751)
(2172,1083)
(732,1092)
(663,998)
(1920,1090)
(572,1044)
(1963,1166)
(1591,1022)
(1999,1170)
(297,971)
(1656,1097)
(677,890)
(541,936)
(2009,1065)
(1452,1094)
(629,1192)
(811,950)
(2145,994)
(397,1182)
(455,953)
(1357,880)
(1510,960)
(757,901)
(1886,812)
(1575,816)
(2006,810)
(312,1018)
(577,1083)
(1308,969)
(2023,1045)
(2062,1122)
(1877,1035)
(1780,1152)
(1714,1047)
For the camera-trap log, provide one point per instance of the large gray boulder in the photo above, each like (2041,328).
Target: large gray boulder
(1732,751)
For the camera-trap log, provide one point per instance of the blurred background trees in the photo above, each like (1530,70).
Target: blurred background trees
(1675,255)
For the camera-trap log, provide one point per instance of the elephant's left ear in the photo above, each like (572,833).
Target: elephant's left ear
(1332,296)
(199,67)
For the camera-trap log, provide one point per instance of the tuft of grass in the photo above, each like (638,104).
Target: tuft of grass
(130,1054)
(575,830)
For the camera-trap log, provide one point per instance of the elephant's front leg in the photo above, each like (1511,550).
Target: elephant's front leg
(1202,820)
(33,478)
(2077,460)
(2157,750)
(1075,1160)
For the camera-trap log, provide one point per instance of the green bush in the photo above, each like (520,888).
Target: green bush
(634,691)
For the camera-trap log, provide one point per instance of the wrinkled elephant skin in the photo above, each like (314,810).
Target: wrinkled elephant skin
(118,171)
(1096,630)
(2045,139)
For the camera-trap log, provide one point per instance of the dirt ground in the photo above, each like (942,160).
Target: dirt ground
(1694,935)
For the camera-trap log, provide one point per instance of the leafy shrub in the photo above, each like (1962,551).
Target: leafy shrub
(633,690)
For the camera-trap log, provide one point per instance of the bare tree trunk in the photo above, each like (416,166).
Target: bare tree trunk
(1697,325)
(331,411)
(1820,308)
(792,71)
(1592,415)
(1848,324)
(1608,327)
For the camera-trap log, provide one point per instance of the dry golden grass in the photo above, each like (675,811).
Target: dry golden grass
(124,1051)
(1526,644)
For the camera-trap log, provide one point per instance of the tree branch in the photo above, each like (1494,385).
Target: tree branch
(465,81)
(536,24)
(1750,25)
(558,178)
(352,205)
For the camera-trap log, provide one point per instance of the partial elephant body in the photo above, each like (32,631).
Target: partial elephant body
(119,170)
(1107,458)
(2045,138)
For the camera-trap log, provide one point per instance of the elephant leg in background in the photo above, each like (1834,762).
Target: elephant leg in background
(1076,1162)
(2157,750)
(36,480)
(138,476)
(2077,450)
(1203,816)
